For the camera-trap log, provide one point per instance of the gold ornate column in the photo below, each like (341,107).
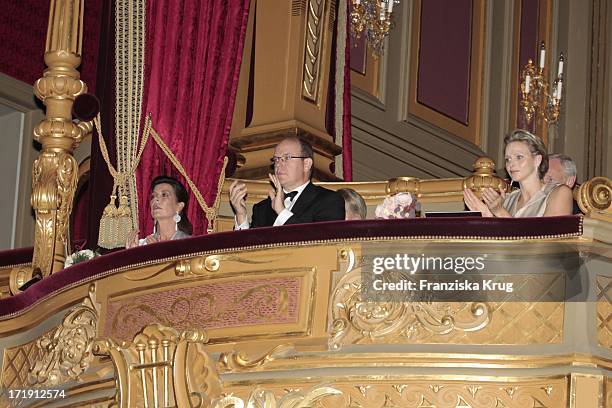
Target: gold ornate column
(55,170)
(286,64)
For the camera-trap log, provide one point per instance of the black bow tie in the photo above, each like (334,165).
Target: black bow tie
(291,195)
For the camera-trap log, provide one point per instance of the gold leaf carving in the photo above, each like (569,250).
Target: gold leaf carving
(418,393)
(399,388)
(473,389)
(547,389)
(162,365)
(595,195)
(604,311)
(436,387)
(355,321)
(510,391)
(499,404)
(16,363)
(65,353)
(461,403)
(260,398)
(425,403)
(54,181)
(204,265)
(238,361)
(363,389)
(313,50)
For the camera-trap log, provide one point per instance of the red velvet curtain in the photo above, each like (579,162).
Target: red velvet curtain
(193,54)
(347,146)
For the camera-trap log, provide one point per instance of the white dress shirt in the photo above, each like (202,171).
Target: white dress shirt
(284,215)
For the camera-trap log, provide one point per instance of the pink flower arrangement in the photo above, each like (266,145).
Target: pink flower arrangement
(402,205)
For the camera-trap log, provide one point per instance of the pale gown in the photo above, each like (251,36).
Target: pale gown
(535,207)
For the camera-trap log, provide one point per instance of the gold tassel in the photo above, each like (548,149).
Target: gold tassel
(124,220)
(107,236)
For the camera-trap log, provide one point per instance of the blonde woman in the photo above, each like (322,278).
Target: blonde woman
(526,163)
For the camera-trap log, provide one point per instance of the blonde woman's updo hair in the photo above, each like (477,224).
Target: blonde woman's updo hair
(535,144)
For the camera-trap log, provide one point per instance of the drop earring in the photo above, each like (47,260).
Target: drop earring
(177,219)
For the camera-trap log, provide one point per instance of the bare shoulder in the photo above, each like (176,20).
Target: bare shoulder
(561,192)
(559,201)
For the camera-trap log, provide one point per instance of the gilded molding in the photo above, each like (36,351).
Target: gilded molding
(240,361)
(604,311)
(66,353)
(427,392)
(204,265)
(59,87)
(313,49)
(403,185)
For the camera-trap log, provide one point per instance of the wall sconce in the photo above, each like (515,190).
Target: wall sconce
(537,98)
(374,19)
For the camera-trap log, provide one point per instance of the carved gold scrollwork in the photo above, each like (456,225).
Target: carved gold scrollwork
(595,196)
(67,171)
(55,170)
(546,392)
(355,321)
(313,48)
(239,361)
(54,181)
(260,398)
(65,353)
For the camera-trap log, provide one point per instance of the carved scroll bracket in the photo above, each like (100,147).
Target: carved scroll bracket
(54,180)
(595,197)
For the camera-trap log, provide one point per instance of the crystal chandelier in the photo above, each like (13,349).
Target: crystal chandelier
(537,97)
(374,19)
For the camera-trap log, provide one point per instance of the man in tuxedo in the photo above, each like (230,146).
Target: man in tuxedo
(293,198)
(562,170)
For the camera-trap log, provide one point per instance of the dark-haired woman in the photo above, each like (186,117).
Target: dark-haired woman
(169,201)
(526,163)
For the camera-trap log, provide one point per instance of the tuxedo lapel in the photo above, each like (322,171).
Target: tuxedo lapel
(270,213)
(305,199)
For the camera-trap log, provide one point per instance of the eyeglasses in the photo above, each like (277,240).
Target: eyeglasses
(285,158)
